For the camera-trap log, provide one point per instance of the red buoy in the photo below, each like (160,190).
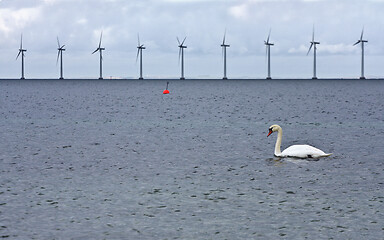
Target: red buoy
(166,91)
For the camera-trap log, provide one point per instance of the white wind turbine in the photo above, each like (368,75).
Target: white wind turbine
(181,54)
(21,51)
(224,47)
(268,53)
(313,43)
(362,52)
(140,48)
(60,54)
(100,49)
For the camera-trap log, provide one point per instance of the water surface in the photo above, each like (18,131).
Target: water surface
(120,160)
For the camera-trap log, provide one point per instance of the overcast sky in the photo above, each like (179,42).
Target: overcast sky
(78,24)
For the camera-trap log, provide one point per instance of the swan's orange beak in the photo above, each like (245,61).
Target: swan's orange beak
(270,132)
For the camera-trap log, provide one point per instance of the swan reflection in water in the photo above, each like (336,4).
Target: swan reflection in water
(279,161)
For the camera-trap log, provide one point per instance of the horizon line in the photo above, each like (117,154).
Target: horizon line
(151,79)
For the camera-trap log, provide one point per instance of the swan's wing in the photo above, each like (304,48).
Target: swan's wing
(303,151)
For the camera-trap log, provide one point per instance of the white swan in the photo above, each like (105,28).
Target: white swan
(298,151)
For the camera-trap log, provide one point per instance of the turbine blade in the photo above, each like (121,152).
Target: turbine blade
(310,47)
(183,41)
(18,55)
(225,32)
(137,55)
(57,60)
(269,34)
(101,36)
(313,33)
(21,42)
(356,43)
(96,50)
(178,40)
(138,40)
(362,33)
(58,43)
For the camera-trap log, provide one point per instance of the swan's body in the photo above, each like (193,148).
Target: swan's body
(298,151)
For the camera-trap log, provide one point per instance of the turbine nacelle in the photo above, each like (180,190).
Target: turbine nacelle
(181,45)
(99,48)
(21,50)
(312,44)
(58,45)
(223,44)
(361,39)
(267,41)
(139,46)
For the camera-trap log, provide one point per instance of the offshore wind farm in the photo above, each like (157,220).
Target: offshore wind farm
(247,30)
(181,61)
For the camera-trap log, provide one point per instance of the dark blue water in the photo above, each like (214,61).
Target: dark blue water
(120,160)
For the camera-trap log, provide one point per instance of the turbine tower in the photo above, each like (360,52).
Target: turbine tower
(181,54)
(140,51)
(100,49)
(313,43)
(362,53)
(224,47)
(21,51)
(60,54)
(268,53)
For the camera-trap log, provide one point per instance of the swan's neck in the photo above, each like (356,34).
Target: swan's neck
(278,142)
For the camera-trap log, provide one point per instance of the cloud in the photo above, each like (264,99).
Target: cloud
(11,20)
(239,11)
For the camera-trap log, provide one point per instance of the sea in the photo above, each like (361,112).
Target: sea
(118,159)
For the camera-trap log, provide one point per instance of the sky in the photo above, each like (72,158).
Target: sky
(79,23)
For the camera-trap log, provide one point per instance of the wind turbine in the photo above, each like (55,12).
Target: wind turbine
(100,49)
(362,52)
(313,43)
(140,51)
(21,51)
(181,53)
(60,54)
(224,47)
(268,53)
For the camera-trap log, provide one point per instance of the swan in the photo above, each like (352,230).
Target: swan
(297,151)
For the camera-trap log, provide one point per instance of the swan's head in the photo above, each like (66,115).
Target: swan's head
(273,128)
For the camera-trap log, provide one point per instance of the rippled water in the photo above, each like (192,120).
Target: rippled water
(119,160)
